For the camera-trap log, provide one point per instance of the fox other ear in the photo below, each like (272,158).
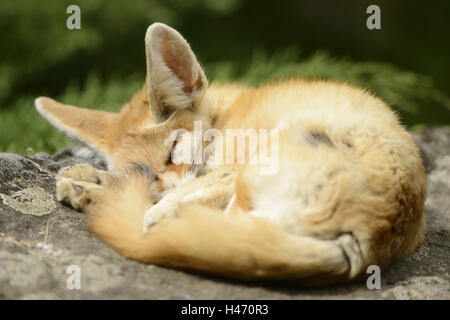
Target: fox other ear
(175,78)
(85,127)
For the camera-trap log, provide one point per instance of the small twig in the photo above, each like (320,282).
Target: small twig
(46,232)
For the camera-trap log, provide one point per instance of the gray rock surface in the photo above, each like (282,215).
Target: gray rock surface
(40,239)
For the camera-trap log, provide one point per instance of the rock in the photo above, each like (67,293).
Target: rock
(433,143)
(42,248)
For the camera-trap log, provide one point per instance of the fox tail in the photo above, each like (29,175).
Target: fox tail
(200,238)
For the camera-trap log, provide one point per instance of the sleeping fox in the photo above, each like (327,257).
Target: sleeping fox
(348,190)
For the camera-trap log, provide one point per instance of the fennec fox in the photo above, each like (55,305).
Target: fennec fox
(348,190)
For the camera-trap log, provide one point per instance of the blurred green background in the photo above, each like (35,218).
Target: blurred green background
(100,66)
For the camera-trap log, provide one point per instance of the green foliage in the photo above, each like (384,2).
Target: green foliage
(23,130)
(103,64)
(405,91)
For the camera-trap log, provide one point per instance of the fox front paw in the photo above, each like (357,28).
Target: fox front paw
(163,209)
(86,173)
(77,194)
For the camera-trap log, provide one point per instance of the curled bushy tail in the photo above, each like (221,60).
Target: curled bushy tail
(204,239)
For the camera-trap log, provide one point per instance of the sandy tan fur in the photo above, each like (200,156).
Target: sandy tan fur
(349,190)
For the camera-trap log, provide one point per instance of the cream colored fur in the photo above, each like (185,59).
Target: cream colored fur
(349,191)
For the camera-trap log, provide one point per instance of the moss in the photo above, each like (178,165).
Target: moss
(34,201)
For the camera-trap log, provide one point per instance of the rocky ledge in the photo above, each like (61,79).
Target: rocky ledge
(41,240)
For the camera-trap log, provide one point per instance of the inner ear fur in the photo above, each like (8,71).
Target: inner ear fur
(175,78)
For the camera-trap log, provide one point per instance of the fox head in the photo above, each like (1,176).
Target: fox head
(142,133)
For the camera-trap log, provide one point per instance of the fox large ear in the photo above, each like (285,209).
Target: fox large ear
(84,127)
(175,78)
